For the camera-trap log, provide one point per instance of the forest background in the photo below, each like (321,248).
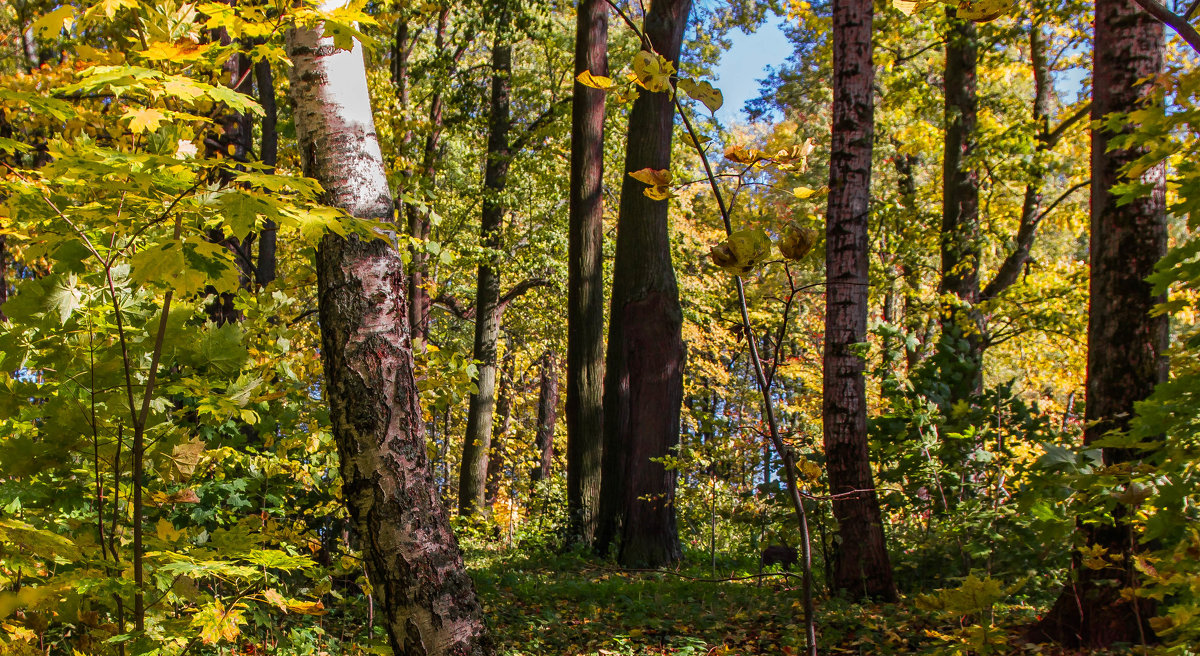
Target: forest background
(172,456)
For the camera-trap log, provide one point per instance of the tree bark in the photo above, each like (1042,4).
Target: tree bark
(477,441)
(547,416)
(961,343)
(500,428)
(265,272)
(585,295)
(418,218)
(862,567)
(643,385)
(411,554)
(1126,345)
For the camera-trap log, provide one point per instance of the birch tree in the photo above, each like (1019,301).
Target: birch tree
(412,558)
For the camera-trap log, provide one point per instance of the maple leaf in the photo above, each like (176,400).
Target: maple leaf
(704,92)
(144,119)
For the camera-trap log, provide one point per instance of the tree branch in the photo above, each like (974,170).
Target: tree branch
(547,117)
(1052,138)
(451,303)
(1173,20)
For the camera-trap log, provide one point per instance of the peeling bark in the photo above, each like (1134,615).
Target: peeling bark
(411,554)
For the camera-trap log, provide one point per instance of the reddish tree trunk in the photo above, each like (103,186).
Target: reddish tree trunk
(1126,345)
(585,288)
(643,385)
(862,567)
(547,415)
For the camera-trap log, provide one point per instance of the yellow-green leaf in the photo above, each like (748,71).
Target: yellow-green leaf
(50,25)
(806,192)
(144,119)
(652,71)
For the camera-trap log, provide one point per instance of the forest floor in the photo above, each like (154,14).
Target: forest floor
(570,605)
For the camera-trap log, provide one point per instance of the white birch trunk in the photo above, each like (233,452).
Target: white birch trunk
(412,558)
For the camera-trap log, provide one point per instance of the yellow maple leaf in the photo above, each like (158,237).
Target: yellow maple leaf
(144,119)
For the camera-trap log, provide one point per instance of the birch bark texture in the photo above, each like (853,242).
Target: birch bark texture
(411,554)
(861,565)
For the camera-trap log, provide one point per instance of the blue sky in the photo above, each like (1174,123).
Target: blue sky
(745,63)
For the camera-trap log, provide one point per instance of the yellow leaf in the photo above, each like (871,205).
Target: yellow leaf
(744,155)
(805,192)
(910,7)
(658,192)
(981,11)
(594,81)
(216,623)
(50,25)
(306,607)
(275,599)
(144,119)
(652,177)
(653,71)
(704,92)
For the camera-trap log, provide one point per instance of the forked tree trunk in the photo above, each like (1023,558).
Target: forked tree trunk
(862,567)
(411,554)
(643,384)
(1126,345)
(477,441)
(585,295)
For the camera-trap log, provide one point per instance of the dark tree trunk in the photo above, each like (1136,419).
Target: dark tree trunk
(1126,345)
(411,554)
(500,429)
(585,295)
(862,567)
(961,341)
(643,384)
(547,416)
(477,441)
(265,271)
(418,218)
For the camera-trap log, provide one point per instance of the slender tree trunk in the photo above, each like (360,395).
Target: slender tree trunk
(862,567)
(585,295)
(418,218)
(501,428)
(643,385)
(547,416)
(962,340)
(265,271)
(1126,345)
(477,441)
(411,554)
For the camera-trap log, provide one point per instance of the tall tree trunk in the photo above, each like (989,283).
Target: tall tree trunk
(961,341)
(547,416)
(265,271)
(862,567)
(418,218)
(411,554)
(585,295)
(477,441)
(643,384)
(1126,345)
